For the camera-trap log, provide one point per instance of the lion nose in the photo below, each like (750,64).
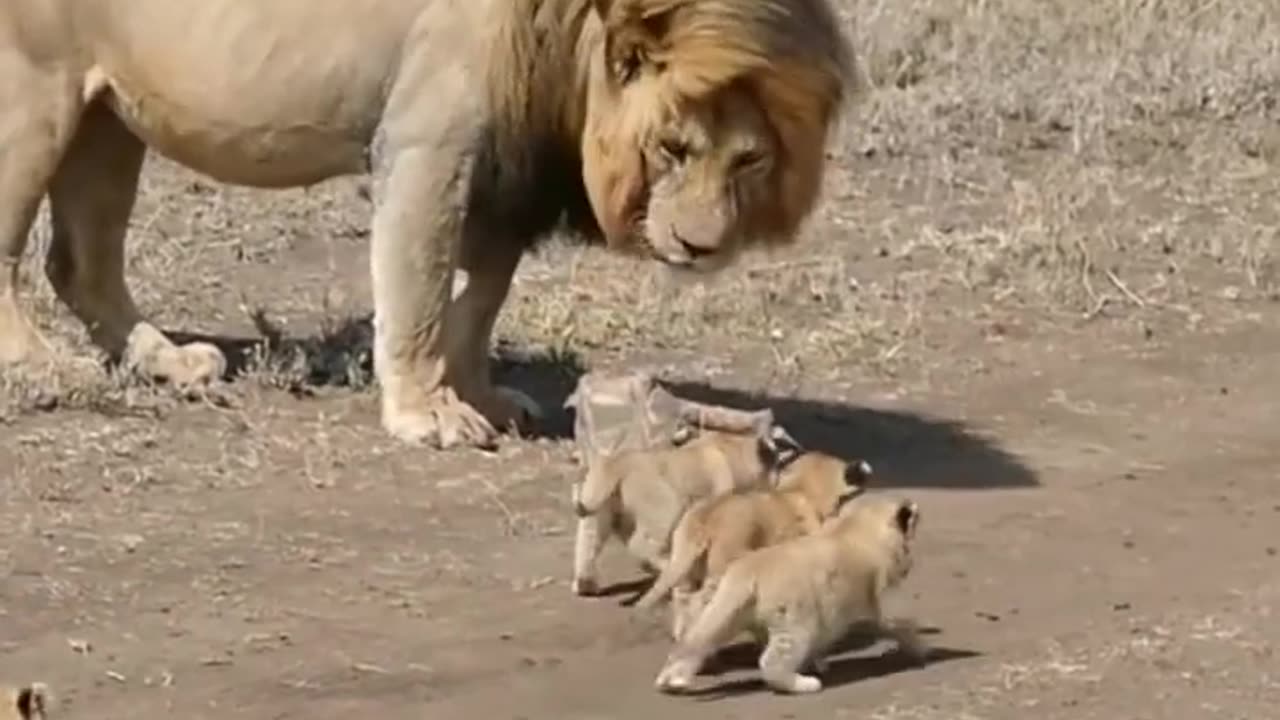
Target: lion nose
(693,250)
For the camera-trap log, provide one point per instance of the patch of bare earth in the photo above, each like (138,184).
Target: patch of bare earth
(1041,298)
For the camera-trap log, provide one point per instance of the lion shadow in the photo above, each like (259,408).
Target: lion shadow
(848,661)
(341,355)
(906,449)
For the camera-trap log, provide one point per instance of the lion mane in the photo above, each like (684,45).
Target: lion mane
(790,55)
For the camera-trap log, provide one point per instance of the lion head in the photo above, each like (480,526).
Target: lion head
(706,123)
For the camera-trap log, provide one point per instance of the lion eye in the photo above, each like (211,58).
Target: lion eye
(675,150)
(747,160)
(627,68)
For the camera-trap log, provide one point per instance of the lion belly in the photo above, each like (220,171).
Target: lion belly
(268,94)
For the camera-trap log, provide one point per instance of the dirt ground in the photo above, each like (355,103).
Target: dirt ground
(1042,297)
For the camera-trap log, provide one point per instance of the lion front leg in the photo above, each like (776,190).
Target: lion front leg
(490,262)
(418,196)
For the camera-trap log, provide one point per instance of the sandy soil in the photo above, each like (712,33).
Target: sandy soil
(1040,298)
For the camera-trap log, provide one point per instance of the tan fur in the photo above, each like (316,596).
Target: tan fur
(802,595)
(25,703)
(718,530)
(685,131)
(640,495)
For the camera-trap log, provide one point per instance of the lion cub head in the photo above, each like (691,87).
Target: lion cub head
(882,527)
(826,481)
(27,703)
(707,121)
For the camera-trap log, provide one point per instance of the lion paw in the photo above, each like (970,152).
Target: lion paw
(443,421)
(20,343)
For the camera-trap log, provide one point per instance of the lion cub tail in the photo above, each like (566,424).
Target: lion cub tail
(689,545)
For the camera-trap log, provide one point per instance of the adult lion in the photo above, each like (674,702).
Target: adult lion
(685,130)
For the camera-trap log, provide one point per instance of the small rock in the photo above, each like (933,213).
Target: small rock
(130,542)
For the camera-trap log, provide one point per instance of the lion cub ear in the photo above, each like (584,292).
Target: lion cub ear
(907,517)
(32,701)
(778,449)
(858,473)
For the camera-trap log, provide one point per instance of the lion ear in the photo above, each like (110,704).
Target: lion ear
(634,36)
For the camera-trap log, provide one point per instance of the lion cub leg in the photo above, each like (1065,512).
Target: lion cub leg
(789,650)
(592,533)
(681,615)
(905,634)
(91,198)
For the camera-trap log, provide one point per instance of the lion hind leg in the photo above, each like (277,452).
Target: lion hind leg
(686,551)
(786,653)
(39,110)
(719,620)
(91,198)
(906,635)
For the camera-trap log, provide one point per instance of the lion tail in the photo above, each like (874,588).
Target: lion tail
(689,545)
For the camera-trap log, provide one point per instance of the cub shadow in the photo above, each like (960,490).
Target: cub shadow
(631,589)
(843,667)
(905,449)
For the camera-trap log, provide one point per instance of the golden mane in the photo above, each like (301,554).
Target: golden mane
(791,54)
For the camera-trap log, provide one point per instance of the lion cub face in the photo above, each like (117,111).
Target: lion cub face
(26,703)
(827,482)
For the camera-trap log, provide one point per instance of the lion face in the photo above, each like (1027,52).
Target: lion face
(706,168)
(706,124)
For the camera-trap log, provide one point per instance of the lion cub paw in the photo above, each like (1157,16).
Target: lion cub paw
(150,354)
(443,421)
(676,677)
(586,587)
(797,684)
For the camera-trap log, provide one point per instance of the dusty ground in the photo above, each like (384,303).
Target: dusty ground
(1041,299)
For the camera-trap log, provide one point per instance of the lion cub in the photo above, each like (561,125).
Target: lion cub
(27,703)
(717,530)
(640,495)
(802,595)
